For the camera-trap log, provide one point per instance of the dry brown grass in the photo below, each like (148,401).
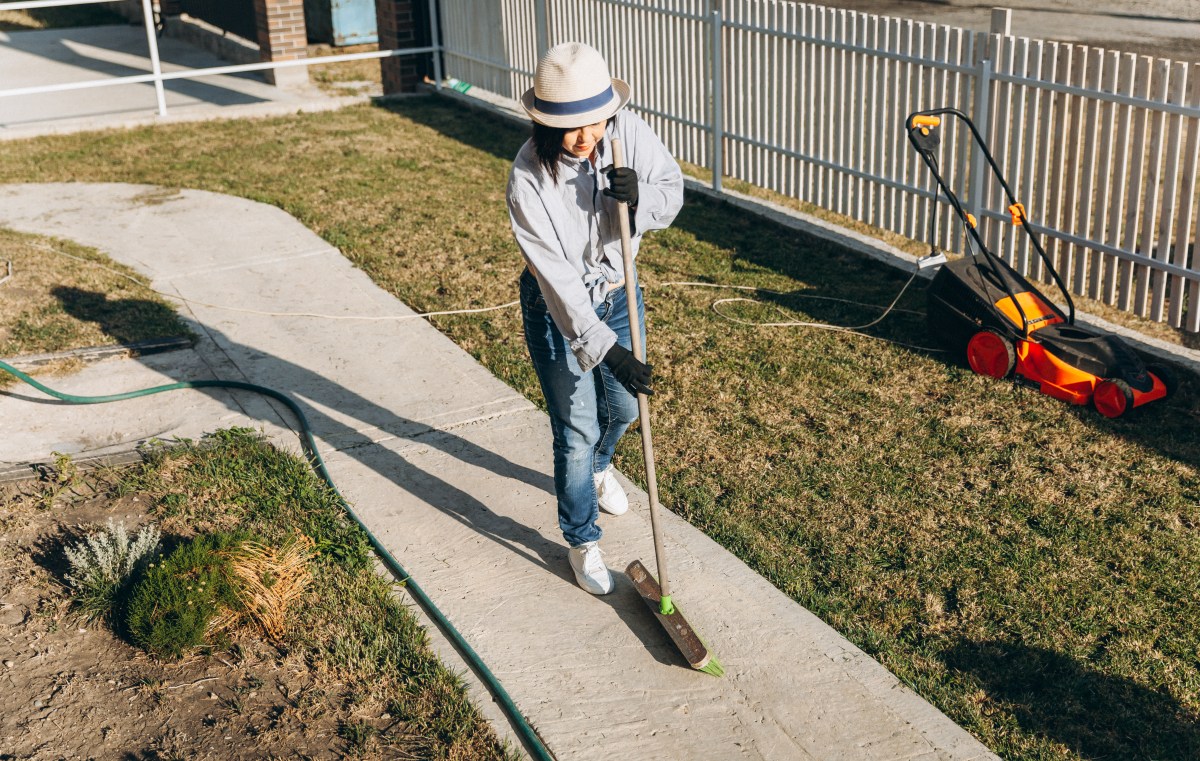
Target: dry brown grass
(272,579)
(347,77)
(65,296)
(56,18)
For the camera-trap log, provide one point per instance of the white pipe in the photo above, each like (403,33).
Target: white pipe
(435,38)
(212,71)
(155,65)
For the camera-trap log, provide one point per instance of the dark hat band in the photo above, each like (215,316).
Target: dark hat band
(573,106)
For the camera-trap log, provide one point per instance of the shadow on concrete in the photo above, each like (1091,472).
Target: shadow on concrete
(1096,715)
(87,53)
(524,541)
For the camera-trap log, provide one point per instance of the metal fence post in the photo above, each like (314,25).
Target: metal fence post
(541,29)
(156,67)
(982,118)
(716,83)
(435,39)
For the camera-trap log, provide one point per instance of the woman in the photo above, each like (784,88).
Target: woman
(562,199)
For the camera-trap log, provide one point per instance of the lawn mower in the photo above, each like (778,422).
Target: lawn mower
(982,308)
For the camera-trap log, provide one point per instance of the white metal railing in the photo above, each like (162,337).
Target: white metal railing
(158,76)
(1102,147)
(809,101)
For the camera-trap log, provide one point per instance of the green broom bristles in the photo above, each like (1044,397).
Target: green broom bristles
(712,667)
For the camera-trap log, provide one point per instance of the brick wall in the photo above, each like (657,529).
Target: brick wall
(282,37)
(402,24)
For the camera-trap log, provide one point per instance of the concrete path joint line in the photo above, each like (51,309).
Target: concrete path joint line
(249,263)
(416,437)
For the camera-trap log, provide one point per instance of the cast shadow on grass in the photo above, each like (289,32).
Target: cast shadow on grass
(315,393)
(502,138)
(125,320)
(1095,715)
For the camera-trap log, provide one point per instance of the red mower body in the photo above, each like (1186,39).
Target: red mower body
(969,312)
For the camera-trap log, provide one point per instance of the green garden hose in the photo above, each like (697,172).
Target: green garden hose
(533,743)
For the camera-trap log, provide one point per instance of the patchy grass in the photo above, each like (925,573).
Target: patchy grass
(1029,567)
(66,296)
(351,623)
(346,77)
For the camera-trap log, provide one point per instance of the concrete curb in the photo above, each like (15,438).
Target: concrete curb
(101,353)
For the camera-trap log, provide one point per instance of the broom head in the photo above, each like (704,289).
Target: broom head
(681,633)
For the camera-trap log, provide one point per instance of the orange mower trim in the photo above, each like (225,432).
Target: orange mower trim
(1037,311)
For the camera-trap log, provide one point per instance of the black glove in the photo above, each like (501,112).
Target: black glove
(622,184)
(634,375)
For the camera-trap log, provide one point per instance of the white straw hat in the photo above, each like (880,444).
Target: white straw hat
(572,88)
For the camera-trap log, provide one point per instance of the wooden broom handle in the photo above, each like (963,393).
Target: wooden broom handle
(639,351)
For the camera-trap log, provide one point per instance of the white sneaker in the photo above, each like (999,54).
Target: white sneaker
(609,493)
(588,564)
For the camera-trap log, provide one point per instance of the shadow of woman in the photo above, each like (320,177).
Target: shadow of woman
(1095,714)
(116,316)
(320,393)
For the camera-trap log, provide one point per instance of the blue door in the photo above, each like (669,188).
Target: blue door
(354,22)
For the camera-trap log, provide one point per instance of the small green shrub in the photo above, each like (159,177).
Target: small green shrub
(172,607)
(103,566)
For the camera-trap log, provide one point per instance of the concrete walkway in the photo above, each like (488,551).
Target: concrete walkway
(452,469)
(60,56)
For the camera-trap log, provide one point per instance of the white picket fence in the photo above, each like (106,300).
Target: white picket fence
(1102,147)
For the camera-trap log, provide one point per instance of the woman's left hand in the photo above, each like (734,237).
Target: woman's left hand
(622,184)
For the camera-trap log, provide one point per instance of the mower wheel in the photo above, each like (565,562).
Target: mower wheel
(1113,397)
(1165,375)
(990,354)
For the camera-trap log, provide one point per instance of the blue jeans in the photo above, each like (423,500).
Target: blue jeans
(588,411)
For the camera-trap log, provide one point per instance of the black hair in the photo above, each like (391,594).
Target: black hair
(548,145)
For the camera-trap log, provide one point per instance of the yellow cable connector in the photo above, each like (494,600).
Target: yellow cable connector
(925,121)
(1018,212)
(971,220)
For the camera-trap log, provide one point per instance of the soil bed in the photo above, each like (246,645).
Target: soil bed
(77,690)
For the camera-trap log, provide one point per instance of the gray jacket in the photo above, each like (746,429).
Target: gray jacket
(568,230)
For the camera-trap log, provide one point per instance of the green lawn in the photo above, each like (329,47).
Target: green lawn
(1031,568)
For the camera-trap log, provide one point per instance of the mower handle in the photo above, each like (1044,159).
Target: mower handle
(919,126)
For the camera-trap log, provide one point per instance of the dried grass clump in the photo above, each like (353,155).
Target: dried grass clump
(268,580)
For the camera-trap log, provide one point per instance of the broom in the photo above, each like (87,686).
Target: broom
(657,594)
